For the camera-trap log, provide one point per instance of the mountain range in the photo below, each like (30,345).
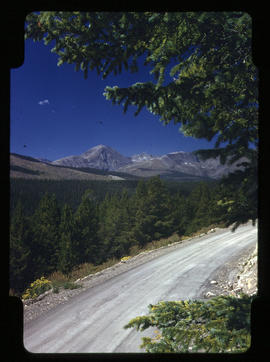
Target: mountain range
(145,165)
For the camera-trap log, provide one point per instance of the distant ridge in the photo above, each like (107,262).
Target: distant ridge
(144,165)
(26,157)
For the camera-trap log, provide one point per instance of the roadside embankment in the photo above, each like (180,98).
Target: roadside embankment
(237,276)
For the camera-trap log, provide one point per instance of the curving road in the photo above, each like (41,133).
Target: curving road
(93,320)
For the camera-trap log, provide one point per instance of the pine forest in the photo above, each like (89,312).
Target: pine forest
(60,225)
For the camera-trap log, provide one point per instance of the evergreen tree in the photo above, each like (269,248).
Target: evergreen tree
(200,200)
(115,224)
(86,221)
(124,224)
(219,325)
(45,228)
(153,218)
(109,229)
(69,248)
(142,230)
(181,213)
(19,250)
(127,221)
(238,198)
(159,200)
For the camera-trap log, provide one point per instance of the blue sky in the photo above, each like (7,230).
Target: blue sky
(55,112)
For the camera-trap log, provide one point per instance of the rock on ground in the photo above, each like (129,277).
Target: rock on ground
(236,277)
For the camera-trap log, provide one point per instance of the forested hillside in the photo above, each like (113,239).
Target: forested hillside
(30,191)
(53,231)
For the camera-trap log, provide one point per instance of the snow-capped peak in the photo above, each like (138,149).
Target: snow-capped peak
(175,153)
(141,157)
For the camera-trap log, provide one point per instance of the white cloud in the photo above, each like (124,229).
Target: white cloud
(42,103)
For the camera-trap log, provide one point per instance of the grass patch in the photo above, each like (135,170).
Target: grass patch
(155,244)
(25,170)
(87,268)
(71,285)
(59,280)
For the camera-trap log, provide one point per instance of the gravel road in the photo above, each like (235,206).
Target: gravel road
(92,320)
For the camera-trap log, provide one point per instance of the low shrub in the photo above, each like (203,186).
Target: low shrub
(36,288)
(125,258)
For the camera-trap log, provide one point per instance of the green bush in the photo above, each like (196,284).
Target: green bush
(56,290)
(220,324)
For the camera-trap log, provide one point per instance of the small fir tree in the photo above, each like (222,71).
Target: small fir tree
(86,221)
(221,324)
(19,250)
(45,246)
(68,253)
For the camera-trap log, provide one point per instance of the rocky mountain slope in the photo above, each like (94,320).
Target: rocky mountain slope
(102,157)
(145,165)
(28,167)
